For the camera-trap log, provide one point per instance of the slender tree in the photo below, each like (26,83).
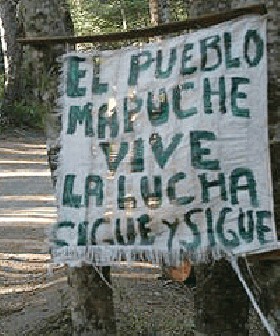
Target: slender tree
(10,29)
(159,11)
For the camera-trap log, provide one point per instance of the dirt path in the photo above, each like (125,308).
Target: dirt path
(29,293)
(33,298)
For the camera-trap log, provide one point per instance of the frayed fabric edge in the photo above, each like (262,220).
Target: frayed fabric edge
(114,255)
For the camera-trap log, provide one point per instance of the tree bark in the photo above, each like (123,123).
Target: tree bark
(92,308)
(221,303)
(40,68)
(159,11)
(10,31)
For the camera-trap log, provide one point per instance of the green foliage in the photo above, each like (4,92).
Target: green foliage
(24,114)
(96,16)
(107,16)
(104,16)
(178,10)
(29,114)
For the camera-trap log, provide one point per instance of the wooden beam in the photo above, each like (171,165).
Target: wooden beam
(168,28)
(270,255)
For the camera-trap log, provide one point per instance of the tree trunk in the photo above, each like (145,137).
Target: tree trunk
(221,303)
(159,11)
(40,67)
(10,30)
(268,271)
(92,300)
(222,307)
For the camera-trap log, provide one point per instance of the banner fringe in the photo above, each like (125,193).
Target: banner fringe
(113,255)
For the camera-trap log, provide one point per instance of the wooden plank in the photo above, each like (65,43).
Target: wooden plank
(270,255)
(168,28)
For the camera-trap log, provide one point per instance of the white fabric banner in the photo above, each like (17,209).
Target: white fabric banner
(164,149)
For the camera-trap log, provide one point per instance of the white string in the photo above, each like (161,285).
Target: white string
(264,320)
(251,275)
(102,277)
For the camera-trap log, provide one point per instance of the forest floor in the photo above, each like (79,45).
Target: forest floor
(34,298)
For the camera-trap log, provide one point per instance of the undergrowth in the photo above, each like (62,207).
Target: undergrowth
(20,114)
